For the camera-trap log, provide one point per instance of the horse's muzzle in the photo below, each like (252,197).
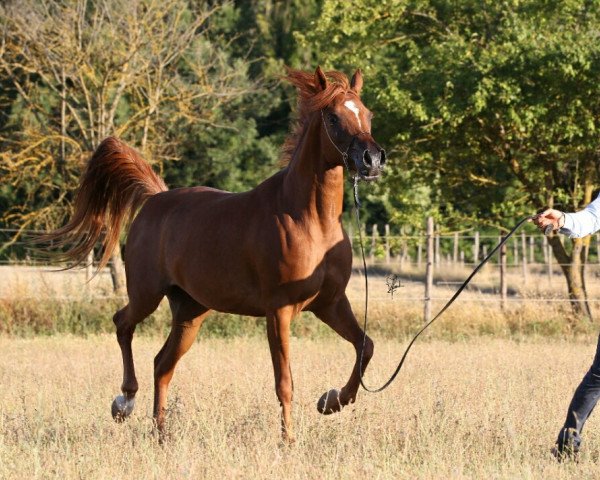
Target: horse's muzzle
(370,162)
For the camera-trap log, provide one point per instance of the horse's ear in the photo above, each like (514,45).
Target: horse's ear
(320,79)
(357,82)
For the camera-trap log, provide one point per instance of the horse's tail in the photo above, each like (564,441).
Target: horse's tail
(114,185)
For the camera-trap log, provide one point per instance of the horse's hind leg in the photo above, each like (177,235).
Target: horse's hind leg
(187,319)
(126,320)
(339,317)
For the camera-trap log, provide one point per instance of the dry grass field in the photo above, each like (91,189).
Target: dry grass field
(481,408)
(482,395)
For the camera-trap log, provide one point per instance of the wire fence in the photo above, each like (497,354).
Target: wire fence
(381,247)
(528,260)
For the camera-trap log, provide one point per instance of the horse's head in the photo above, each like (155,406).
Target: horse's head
(331,102)
(347,129)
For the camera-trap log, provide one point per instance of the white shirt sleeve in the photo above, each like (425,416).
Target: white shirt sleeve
(584,222)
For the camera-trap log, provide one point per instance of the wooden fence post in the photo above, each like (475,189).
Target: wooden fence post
(503,285)
(374,236)
(419,253)
(388,257)
(429,269)
(531,249)
(437,248)
(455,248)
(476,248)
(404,249)
(524,256)
(545,248)
(515,251)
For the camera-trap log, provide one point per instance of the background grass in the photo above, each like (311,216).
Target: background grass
(27,318)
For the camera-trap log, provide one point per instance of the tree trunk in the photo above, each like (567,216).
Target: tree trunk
(572,267)
(585,249)
(117,272)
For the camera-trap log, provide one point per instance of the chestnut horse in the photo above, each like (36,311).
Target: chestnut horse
(273,251)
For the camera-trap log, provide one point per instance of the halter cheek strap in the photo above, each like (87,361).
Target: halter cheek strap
(343,154)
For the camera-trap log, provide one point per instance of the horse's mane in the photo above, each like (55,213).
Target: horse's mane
(310,99)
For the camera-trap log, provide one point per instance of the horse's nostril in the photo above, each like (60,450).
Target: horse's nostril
(382,157)
(367,160)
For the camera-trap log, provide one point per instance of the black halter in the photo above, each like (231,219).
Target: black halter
(356,176)
(343,154)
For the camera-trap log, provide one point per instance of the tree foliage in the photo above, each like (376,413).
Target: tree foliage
(147,71)
(491,104)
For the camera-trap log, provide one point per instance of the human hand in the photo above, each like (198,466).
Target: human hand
(549,217)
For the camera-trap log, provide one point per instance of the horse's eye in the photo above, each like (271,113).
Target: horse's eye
(333,119)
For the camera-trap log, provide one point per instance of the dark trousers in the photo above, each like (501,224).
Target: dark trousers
(585,397)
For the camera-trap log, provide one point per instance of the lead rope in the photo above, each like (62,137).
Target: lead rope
(450,302)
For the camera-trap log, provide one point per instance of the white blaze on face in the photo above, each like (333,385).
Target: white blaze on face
(350,105)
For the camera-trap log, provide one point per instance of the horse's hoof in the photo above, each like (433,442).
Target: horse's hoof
(329,402)
(121,408)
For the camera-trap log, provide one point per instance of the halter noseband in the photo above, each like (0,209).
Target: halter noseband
(343,154)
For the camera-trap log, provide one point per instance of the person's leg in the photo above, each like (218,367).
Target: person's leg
(584,400)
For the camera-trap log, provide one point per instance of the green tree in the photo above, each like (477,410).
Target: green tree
(491,105)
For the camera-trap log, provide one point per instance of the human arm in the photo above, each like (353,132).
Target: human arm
(575,225)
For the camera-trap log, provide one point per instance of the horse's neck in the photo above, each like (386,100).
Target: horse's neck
(314,190)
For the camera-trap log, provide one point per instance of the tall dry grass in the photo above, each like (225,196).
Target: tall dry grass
(478,408)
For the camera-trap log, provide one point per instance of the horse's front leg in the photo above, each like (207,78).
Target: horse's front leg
(339,317)
(278,333)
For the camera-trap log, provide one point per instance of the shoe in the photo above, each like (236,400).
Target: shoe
(567,445)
